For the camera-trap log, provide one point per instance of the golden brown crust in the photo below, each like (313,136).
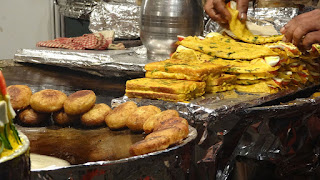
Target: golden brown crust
(30,117)
(63,119)
(96,115)
(19,96)
(48,100)
(175,134)
(79,102)
(218,81)
(149,145)
(171,122)
(118,117)
(139,117)
(151,122)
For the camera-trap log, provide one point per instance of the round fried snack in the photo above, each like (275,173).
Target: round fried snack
(19,96)
(151,122)
(176,134)
(171,122)
(63,119)
(31,117)
(118,117)
(136,120)
(79,102)
(149,145)
(96,115)
(48,100)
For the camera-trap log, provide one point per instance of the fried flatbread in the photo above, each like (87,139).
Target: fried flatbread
(261,87)
(221,88)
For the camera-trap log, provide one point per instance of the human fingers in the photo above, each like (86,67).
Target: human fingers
(216,11)
(242,6)
(311,38)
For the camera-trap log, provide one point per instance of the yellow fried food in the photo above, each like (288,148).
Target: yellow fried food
(139,117)
(79,102)
(149,145)
(19,96)
(63,119)
(153,121)
(96,115)
(118,117)
(30,117)
(261,87)
(171,122)
(175,134)
(48,100)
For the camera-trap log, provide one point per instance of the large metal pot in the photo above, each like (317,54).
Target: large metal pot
(161,22)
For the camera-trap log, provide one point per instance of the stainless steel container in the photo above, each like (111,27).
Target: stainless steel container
(161,22)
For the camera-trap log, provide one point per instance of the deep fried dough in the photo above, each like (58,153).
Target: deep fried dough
(63,119)
(150,145)
(151,122)
(31,117)
(96,115)
(172,122)
(48,100)
(136,120)
(79,102)
(19,96)
(175,134)
(118,117)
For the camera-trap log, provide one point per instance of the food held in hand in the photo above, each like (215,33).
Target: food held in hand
(96,115)
(140,116)
(47,100)
(155,120)
(31,117)
(19,96)
(79,102)
(119,116)
(164,89)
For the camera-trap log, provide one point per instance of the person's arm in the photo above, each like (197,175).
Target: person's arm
(303,30)
(216,10)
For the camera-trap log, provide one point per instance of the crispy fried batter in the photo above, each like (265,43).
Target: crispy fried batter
(47,100)
(171,122)
(31,117)
(118,117)
(19,96)
(63,119)
(96,115)
(175,134)
(151,122)
(149,145)
(136,120)
(79,102)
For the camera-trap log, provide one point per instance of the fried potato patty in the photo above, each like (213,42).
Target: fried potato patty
(96,115)
(79,102)
(30,117)
(48,100)
(174,121)
(151,122)
(150,145)
(175,134)
(118,117)
(63,119)
(139,117)
(19,96)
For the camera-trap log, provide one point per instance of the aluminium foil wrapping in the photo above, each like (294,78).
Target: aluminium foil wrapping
(76,8)
(123,18)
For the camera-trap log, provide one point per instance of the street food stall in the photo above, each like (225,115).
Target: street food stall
(221,105)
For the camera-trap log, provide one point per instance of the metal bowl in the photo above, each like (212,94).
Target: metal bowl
(17,165)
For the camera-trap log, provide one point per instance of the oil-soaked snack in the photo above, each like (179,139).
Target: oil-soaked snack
(118,117)
(175,134)
(79,102)
(139,117)
(150,145)
(171,122)
(151,122)
(30,117)
(48,100)
(63,119)
(96,115)
(19,96)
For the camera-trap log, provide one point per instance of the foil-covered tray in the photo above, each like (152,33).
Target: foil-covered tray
(110,63)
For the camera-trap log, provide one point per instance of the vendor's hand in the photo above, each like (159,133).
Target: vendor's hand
(303,30)
(217,11)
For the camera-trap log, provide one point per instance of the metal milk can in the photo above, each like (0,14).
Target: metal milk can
(162,20)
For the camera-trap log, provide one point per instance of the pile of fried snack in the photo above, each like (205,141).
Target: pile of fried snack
(233,60)
(164,128)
